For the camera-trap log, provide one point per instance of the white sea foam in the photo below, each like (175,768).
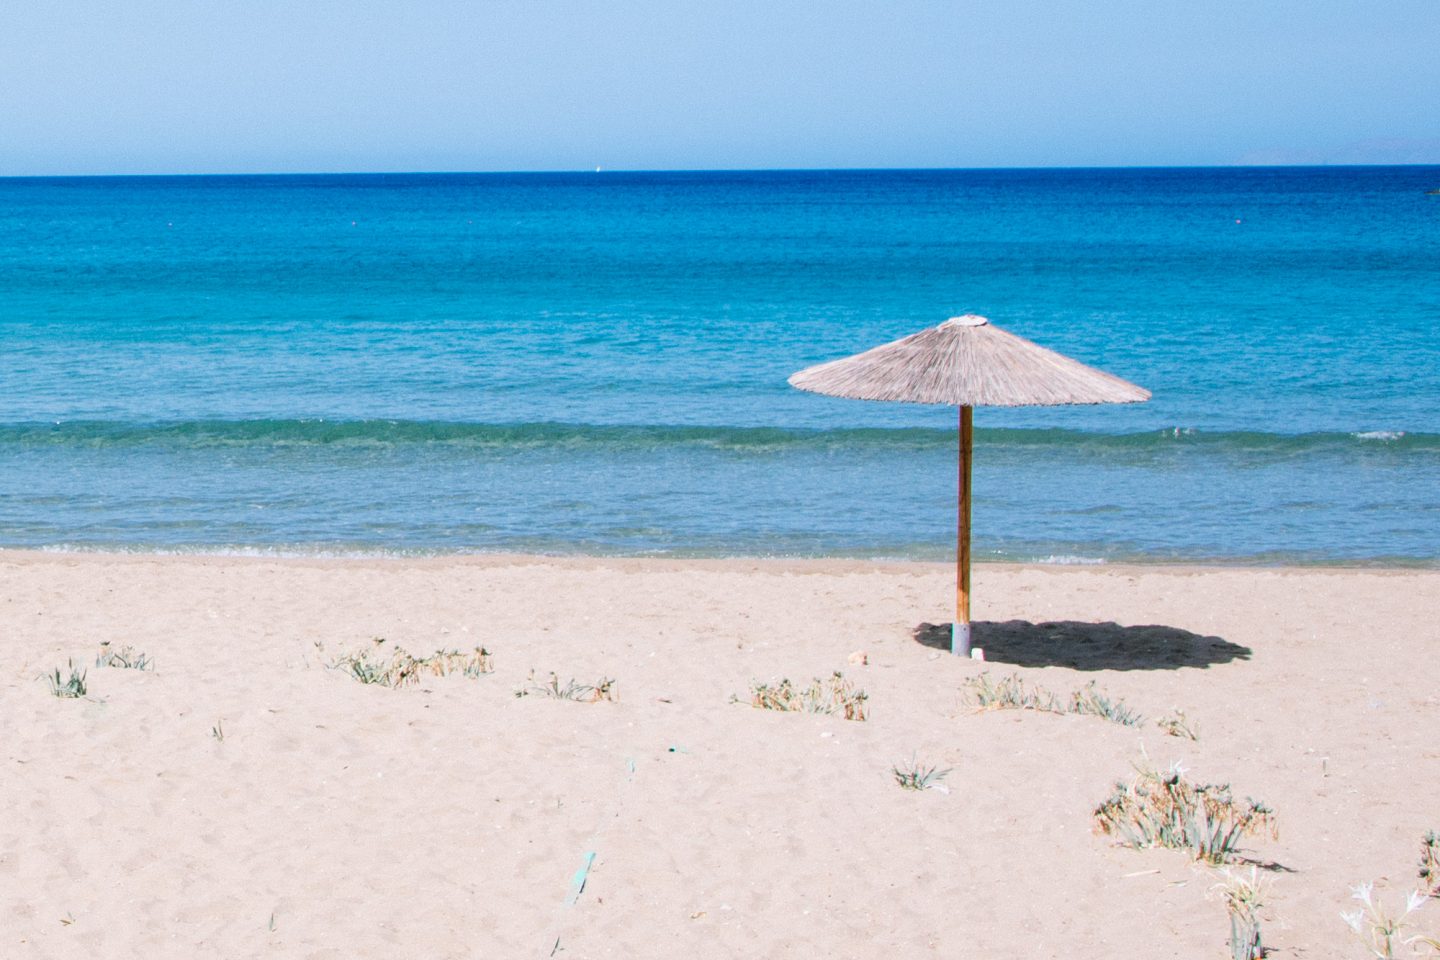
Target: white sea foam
(1379,435)
(1069,560)
(296,551)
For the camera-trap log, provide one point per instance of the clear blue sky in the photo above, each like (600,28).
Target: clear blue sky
(193,86)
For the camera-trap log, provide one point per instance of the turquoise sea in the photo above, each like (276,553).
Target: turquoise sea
(596,363)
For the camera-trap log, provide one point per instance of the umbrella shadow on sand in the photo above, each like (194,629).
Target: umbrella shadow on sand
(1088,646)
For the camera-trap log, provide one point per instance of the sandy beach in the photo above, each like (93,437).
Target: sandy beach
(242,799)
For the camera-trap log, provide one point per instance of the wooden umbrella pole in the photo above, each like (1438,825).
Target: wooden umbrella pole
(960,630)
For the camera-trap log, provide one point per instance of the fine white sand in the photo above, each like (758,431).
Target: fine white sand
(338,820)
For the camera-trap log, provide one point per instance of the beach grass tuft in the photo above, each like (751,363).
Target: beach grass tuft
(398,668)
(1168,810)
(1244,896)
(1430,864)
(125,658)
(218,731)
(603,689)
(914,775)
(1012,693)
(1091,702)
(67,688)
(1179,725)
(833,696)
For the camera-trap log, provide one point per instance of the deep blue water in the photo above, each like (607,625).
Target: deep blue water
(597,362)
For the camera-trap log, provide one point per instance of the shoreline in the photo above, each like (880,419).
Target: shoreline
(592,560)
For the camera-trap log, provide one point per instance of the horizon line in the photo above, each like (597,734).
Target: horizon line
(714,170)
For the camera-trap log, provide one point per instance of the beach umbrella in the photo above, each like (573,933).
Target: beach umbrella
(966,362)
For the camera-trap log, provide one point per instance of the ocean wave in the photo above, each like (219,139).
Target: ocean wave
(203,434)
(558,549)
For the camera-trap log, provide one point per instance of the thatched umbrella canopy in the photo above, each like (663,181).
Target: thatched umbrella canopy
(966,362)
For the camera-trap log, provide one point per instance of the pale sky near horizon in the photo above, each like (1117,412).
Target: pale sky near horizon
(221,86)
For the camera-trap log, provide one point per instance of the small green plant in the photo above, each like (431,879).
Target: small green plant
(1380,931)
(1430,864)
(604,689)
(915,776)
(362,668)
(1167,810)
(218,731)
(1179,725)
(835,695)
(1012,693)
(125,658)
(72,687)
(1243,900)
(1093,703)
(399,668)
